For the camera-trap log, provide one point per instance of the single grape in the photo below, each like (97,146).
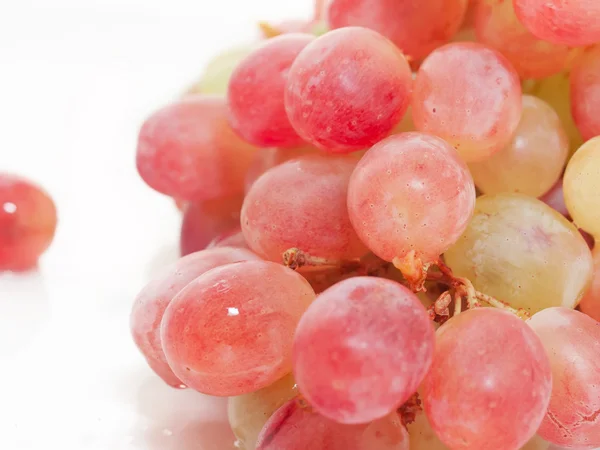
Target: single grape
(347,90)
(27,223)
(248,413)
(490,382)
(590,303)
(416,26)
(302,204)
(204,221)
(230,331)
(152,301)
(555,198)
(188,151)
(232,238)
(581,185)
(585,93)
(469,95)
(497,26)
(572,342)
(533,160)
(296,426)
(256,91)
(410,192)
(362,349)
(569,22)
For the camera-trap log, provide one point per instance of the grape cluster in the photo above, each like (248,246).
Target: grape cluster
(389,213)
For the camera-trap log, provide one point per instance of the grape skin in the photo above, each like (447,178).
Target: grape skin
(590,303)
(585,93)
(490,382)
(232,238)
(230,331)
(555,198)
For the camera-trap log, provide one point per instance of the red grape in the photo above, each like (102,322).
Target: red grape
(27,223)
(490,382)
(188,151)
(572,342)
(256,91)
(151,302)
(230,331)
(585,93)
(232,238)
(347,90)
(590,303)
(362,349)
(469,95)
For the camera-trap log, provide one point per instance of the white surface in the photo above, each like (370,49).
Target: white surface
(77,77)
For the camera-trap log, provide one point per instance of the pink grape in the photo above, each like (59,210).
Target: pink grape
(256,91)
(570,22)
(232,238)
(416,26)
(490,382)
(295,426)
(469,95)
(151,303)
(347,90)
(410,192)
(555,198)
(362,349)
(188,151)
(230,331)
(572,342)
(585,93)
(302,204)
(590,303)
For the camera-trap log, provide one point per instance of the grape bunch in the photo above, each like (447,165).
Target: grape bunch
(389,213)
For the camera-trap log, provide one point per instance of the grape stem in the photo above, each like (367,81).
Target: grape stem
(294,258)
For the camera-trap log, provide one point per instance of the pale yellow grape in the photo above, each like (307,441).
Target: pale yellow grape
(521,251)
(249,413)
(536,443)
(581,186)
(534,159)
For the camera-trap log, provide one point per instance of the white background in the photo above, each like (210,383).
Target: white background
(77,77)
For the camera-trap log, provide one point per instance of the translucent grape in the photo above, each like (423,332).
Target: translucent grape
(204,221)
(490,382)
(230,331)
(585,93)
(555,198)
(27,223)
(362,349)
(248,413)
(347,90)
(497,26)
(410,192)
(572,342)
(469,95)
(295,426)
(232,238)
(581,185)
(150,304)
(533,160)
(302,204)
(415,26)
(521,251)
(590,303)
(256,91)
(570,22)
(188,151)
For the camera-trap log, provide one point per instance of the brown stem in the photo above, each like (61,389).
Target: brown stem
(295,258)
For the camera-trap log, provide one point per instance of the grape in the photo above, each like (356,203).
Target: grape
(490,381)
(572,342)
(570,22)
(590,303)
(362,349)
(555,198)
(295,426)
(204,221)
(272,30)
(151,302)
(256,91)
(581,185)
(416,26)
(497,26)
(230,331)
(521,251)
(27,223)
(232,238)
(469,95)
(248,413)
(302,204)
(533,160)
(410,192)
(585,93)
(187,150)
(347,90)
